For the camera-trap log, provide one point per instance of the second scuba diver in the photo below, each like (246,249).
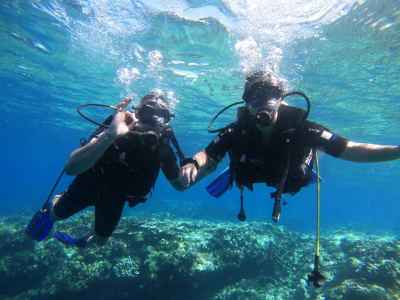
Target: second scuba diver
(118,164)
(273,143)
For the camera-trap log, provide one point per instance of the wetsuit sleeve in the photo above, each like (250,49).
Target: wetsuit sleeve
(220,145)
(316,135)
(168,164)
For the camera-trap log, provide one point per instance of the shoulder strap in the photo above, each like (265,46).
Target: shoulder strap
(289,117)
(243,113)
(243,118)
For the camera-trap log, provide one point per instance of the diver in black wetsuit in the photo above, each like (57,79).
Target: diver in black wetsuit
(273,143)
(119,164)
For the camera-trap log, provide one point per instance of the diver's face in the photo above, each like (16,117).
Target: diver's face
(263,100)
(265,111)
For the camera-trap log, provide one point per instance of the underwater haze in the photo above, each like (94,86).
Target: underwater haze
(343,54)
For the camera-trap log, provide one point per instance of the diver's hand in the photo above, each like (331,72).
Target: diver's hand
(123,120)
(188,174)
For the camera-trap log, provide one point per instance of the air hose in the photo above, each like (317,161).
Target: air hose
(93,104)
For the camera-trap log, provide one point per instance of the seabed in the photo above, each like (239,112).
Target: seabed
(168,258)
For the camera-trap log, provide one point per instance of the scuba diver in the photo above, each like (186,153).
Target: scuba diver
(273,143)
(118,164)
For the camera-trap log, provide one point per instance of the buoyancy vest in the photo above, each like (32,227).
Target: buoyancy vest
(252,161)
(130,166)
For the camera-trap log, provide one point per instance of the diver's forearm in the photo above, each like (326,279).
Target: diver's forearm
(204,171)
(84,158)
(360,152)
(207,165)
(202,158)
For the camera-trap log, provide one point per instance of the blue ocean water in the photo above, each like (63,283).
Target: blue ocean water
(344,55)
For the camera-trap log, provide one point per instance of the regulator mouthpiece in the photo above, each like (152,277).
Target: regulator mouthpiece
(265,111)
(264,118)
(159,122)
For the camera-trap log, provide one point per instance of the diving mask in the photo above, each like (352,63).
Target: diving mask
(153,117)
(154,113)
(262,99)
(264,111)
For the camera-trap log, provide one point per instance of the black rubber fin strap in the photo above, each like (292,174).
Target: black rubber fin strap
(52,190)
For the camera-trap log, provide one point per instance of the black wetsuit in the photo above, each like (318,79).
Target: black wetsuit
(127,171)
(252,161)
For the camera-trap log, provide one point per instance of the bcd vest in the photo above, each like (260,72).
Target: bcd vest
(252,161)
(130,166)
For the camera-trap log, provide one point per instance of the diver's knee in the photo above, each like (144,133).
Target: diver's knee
(56,198)
(51,208)
(99,240)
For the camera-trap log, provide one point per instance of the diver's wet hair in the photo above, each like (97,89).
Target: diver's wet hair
(262,82)
(154,95)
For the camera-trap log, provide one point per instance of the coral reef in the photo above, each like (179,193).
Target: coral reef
(169,258)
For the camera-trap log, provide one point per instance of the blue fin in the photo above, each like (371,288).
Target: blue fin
(40,225)
(220,184)
(314,178)
(70,241)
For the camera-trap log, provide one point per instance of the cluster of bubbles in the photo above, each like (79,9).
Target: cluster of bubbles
(262,29)
(128,76)
(267,27)
(253,59)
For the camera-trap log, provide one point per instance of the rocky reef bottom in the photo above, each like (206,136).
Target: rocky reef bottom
(169,258)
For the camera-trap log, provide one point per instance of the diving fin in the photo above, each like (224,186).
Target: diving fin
(40,225)
(66,239)
(313,178)
(220,184)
